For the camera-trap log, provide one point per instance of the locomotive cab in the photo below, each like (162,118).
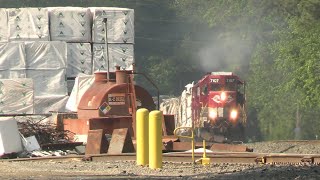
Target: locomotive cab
(218,102)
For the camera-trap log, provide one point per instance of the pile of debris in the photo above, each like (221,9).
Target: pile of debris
(34,137)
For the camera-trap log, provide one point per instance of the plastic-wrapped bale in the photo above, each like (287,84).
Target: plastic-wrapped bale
(46,55)
(12,60)
(4,25)
(10,140)
(100,59)
(185,113)
(48,81)
(122,55)
(70,24)
(120,25)
(16,96)
(45,104)
(28,24)
(119,55)
(79,59)
(11,74)
(81,85)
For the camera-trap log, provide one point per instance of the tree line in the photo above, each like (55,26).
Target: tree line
(273,45)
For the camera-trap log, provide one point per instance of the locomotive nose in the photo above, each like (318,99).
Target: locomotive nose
(223,96)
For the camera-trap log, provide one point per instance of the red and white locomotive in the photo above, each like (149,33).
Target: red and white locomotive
(218,105)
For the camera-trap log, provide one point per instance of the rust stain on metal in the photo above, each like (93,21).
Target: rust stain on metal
(111,123)
(97,142)
(121,142)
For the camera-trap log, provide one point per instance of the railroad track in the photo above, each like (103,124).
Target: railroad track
(215,158)
(296,141)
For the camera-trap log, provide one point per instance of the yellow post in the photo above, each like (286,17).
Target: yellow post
(142,136)
(190,137)
(204,159)
(192,144)
(155,139)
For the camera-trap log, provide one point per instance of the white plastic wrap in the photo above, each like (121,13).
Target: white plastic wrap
(4,25)
(120,25)
(12,56)
(16,96)
(180,107)
(10,141)
(100,59)
(81,85)
(79,59)
(11,74)
(70,24)
(28,24)
(45,104)
(46,55)
(48,82)
(119,55)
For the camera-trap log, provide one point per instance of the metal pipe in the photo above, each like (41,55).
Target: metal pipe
(105,21)
(190,137)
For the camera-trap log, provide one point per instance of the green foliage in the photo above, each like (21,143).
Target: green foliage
(283,69)
(274,45)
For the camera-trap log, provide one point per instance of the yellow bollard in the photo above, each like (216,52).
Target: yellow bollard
(155,139)
(142,137)
(204,160)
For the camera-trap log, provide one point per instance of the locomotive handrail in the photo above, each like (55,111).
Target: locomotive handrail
(190,137)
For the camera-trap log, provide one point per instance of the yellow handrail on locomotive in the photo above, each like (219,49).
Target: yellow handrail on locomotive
(190,137)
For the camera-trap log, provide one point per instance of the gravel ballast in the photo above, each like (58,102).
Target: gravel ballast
(129,169)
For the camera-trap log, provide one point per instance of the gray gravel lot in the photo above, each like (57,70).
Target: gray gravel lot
(129,170)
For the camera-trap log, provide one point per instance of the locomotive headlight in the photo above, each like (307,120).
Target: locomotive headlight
(234,114)
(212,114)
(223,96)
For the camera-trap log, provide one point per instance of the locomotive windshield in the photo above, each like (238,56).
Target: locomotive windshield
(228,86)
(216,87)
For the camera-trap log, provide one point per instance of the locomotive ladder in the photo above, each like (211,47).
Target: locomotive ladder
(132,95)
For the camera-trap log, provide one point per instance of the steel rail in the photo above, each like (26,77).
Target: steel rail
(215,158)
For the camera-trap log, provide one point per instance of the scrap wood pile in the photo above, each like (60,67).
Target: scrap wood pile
(45,133)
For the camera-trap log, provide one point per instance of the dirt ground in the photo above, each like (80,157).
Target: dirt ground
(128,170)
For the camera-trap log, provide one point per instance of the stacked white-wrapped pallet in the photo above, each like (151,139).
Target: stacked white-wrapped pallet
(119,55)
(120,25)
(28,24)
(45,104)
(16,96)
(79,59)
(77,47)
(12,60)
(70,24)
(46,65)
(3,25)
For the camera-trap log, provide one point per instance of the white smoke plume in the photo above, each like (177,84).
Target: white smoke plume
(226,53)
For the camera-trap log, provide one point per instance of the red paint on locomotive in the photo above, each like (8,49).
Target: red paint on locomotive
(218,101)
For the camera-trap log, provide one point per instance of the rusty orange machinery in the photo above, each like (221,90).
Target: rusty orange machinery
(111,103)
